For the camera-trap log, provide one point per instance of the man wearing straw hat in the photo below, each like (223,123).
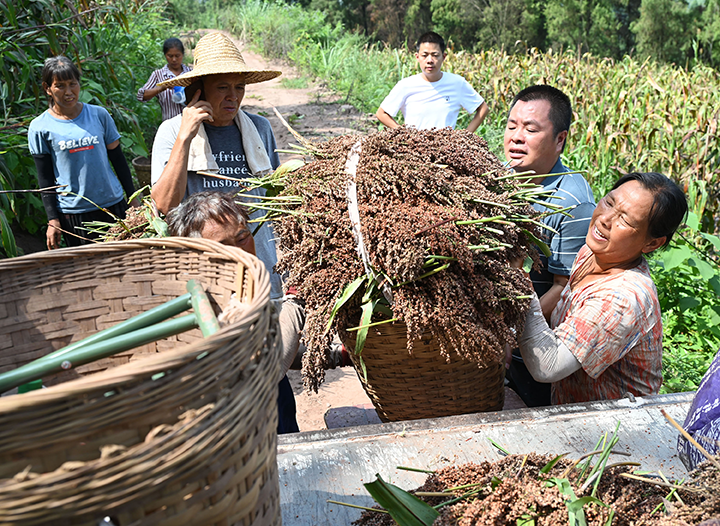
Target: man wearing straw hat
(212,145)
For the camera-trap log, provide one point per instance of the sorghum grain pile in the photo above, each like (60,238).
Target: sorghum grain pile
(134,226)
(413,187)
(513,491)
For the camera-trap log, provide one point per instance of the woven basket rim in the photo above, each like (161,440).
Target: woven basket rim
(30,261)
(145,365)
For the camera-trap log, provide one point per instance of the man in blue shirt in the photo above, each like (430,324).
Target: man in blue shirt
(535,136)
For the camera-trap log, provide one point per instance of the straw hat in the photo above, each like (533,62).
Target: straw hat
(216,54)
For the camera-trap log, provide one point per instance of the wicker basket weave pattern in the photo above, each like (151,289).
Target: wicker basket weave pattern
(178,432)
(423,384)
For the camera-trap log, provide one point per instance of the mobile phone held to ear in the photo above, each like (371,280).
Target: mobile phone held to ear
(192,88)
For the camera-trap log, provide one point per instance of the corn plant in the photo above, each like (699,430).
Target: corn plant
(630,115)
(115,45)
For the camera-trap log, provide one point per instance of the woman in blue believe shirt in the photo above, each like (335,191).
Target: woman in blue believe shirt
(73,144)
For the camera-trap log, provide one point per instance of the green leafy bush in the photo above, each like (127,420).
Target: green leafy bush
(687,276)
(115,44)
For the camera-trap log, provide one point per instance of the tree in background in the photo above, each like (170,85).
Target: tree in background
(451,20)
(505,23)
(710,32)
(388,21)
(418,20)
(663,30)
(352,14)
(585,26)
(627,11)
(484,24)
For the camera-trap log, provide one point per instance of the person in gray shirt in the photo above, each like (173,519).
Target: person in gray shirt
(535,135)
(219,217)
(214,145)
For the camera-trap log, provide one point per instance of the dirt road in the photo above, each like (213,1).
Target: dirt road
(314,112)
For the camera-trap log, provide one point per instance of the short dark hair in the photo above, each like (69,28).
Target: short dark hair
(173,43)
(189,217)
(60,68)
(560,107)
(669,206)
(431,38)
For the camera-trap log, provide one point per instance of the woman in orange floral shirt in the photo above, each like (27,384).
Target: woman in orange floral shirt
(605,336)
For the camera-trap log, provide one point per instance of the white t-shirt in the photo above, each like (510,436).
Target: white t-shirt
(428,105)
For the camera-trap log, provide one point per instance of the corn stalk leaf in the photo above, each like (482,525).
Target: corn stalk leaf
(367,311)
(406,509)
(607,450)
(540,244)
(547,467)
(160,227)
(347,293)
(525,520)
(504,451)
(578,504)
(137,194)
(527,264)
(382,308)
(576,516)
(576,512)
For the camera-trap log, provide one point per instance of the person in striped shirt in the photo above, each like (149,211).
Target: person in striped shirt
(174,52)
(535,135)
(604,339)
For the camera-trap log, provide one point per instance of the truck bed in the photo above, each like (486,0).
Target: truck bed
(333,464)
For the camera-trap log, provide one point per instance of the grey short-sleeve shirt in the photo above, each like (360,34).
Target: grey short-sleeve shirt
(226,145)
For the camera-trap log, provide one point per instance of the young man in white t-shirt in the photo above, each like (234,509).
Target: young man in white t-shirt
(432,98)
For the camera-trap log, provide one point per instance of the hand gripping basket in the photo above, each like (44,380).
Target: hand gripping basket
(423,384)
(182,431)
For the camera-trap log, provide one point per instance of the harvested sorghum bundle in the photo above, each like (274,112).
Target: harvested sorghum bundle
(519,489)
(440,219)
(140,222)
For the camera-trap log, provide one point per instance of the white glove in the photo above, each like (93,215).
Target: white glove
(547,358)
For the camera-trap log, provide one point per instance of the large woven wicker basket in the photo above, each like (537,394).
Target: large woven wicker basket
(423,384)
(182,431)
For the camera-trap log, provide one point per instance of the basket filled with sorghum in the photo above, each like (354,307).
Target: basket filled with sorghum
(401,242)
